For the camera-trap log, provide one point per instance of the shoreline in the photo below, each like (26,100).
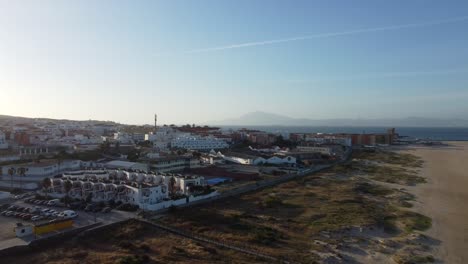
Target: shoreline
(443,197)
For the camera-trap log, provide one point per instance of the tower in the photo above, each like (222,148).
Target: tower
(155,122)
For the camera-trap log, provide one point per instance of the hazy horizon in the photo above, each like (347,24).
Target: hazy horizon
(199,62)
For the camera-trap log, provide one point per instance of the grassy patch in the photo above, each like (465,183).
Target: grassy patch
(265,235)
(414,221)
(394,158)
(135,259)
(372,189)
(389,174)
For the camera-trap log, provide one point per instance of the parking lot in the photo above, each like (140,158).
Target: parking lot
(21,211)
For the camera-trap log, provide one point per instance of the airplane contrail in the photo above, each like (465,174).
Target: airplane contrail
(328,35)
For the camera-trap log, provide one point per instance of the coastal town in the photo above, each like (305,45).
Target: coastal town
(59,177)
(147,132)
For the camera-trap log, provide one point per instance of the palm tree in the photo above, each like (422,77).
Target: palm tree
(172,182)
(67,185)
(11,172)
(46,184)
(60,159)
(22,173)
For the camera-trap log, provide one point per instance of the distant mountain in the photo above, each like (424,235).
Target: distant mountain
(269,119)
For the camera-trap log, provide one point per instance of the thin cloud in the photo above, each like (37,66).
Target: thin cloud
(378,75)
(324,35)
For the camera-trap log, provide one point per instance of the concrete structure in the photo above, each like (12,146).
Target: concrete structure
(261,138)
(198,143)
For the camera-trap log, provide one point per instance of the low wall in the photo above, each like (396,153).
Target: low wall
(179,202)
(16,184)
(45,242)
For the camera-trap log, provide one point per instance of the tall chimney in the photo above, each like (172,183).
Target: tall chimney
(155,122)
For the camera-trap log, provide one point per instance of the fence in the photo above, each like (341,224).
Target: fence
(213,242)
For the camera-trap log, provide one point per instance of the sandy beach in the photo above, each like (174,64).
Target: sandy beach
(444,198)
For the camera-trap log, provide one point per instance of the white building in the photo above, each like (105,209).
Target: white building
(148,191)
(126,165)
(3,142)
(47,168)
(198,143)
(174,164)
(123,138)
(316,149)
(328,139)
(162,138)
(138,137)
(257,160)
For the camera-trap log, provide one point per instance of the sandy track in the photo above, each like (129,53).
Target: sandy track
(445,198)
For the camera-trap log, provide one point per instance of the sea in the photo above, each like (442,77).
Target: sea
(430,133)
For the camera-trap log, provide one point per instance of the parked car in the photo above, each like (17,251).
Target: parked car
(26,216)
(4,206)
(37,218)
(45,211)
(18,208)
(9,213)
(53,202)
(34,210)
(4,212)
(12,207)
(106,209)
(68,214)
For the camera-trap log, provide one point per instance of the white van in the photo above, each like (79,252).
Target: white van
(68,214)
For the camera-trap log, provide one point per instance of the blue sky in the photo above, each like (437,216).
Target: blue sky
(196,61)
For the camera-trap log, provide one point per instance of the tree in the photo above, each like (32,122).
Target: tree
(281,142)
(11,172)
(134,155)
(67,185)
(196,154)
(105,147)
(22,173)
(172,183)
(146,143)
(46,184)
(89,198)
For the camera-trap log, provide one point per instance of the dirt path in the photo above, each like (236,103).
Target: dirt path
(445,198)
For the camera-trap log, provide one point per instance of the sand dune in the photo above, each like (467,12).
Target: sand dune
(445,198)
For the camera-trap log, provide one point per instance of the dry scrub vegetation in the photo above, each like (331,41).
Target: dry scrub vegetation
(132,243)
